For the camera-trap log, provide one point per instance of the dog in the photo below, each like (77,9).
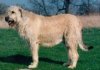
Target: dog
(48,31)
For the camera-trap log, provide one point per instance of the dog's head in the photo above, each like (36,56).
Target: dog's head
(14,15)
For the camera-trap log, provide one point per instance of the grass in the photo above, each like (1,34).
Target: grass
(15,53)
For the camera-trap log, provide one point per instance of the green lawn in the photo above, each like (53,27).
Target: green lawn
(15,53)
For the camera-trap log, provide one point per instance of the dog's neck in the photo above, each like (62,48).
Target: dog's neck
(22,21)
(22,25)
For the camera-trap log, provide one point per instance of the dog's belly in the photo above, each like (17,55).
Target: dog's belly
(50,40)
(51,34)
(51,43)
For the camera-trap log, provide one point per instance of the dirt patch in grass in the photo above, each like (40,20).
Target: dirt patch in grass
(87,21)
(90,21)
(3,24)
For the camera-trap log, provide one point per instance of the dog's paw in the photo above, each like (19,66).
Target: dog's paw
(71,66)
(32,65)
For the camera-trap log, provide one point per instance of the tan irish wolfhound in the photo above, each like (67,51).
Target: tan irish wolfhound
(48,31)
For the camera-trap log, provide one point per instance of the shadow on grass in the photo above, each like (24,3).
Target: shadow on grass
(21,59)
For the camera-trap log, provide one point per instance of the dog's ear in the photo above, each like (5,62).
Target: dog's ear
(20,10)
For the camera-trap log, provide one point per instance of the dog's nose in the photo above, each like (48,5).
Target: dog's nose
(7,18)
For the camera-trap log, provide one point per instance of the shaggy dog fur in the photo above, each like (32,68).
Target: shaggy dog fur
(48,31)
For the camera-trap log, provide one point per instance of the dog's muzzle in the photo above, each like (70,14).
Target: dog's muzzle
(10,21)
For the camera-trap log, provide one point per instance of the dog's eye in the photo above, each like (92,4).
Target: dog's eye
(12,12)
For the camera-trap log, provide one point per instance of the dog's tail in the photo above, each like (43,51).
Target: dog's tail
(80,42)
(84,47)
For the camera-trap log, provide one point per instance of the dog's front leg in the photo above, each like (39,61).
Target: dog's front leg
(34,49)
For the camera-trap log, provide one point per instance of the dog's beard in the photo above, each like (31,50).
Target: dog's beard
(10,21)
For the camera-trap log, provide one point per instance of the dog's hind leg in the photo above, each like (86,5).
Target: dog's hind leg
(72,52)
(71,40)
